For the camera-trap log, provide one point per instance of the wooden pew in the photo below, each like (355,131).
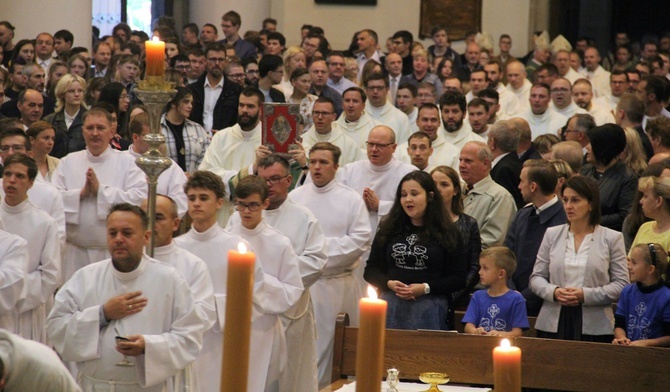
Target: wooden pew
(546,364)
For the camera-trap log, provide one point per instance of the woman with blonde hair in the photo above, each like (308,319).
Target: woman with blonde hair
(564,173)
(294,58)
(351,69)
(371,67)
(655,203)
(633,155)
(67,118)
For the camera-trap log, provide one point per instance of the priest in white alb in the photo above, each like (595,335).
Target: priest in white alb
(323,115)
(381,109)
(345,222)
(283,286)
(376,180)
(354,121)
(541,118)
(91,181)
(171,181)
(192,269)
(208,241)
(130,309)
(13,269)
(22,218)
(301,227)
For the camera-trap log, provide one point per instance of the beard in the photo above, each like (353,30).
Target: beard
(453,128)
(246,121)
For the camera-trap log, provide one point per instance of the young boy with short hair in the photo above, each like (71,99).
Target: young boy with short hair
(496,311)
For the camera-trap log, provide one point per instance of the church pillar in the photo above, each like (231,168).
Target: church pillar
(31,17)
(210,11)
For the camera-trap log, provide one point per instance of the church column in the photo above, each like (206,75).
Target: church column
(31,17)
(210,11)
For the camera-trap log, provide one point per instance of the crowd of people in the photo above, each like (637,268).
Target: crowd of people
(506,187)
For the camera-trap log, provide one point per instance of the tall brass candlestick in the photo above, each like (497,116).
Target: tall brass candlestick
(155,96)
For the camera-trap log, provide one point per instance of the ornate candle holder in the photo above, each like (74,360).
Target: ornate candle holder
(155,93)
(434,379)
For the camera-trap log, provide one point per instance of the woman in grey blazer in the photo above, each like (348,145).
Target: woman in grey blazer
(580,270)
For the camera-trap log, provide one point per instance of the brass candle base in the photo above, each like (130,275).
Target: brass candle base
(434,379)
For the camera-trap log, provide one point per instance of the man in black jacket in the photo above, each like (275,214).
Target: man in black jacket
(215,97)
(503,140)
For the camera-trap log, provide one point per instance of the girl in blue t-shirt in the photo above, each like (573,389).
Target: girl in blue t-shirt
(643,313)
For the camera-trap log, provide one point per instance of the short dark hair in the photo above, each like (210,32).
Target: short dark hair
(65,35)
(420,135)
(192,27)
(270,160)
(269,62)
(479,102)
(138,123)
(489,93)
(545,86)
(584,122)
(327,146)
(436,29)
(586,187)
(657,85)
(409,86)
(254,92)
(127,207)
(405,35)
(14,132)
(450,98)
(543,174)
(179,57)
(357,89)
(214,47)
(428,105)
(24,160)
(277,36)
(206,180)
(377,76)
(232,17)
(659,128)
(38,127)
(607,142)
(298,72)
(251,185)
(549,67)
(324,99)
(216,31)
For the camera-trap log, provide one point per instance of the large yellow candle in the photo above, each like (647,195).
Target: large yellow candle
(506,368)
(155,56)
(370,344)
(237,329)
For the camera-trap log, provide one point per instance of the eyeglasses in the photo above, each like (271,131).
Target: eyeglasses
(215,60)
(378,145)
(321,114)
(252,72)
(236,76)
(16,147)
(251,206)
(274,180)
(375,88)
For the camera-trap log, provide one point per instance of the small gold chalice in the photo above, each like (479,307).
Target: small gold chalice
(434,379)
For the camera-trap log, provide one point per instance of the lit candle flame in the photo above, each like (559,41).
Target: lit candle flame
(372,293)
(242,247)
(155,39)
(505,343)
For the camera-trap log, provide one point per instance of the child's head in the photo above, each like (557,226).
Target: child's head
(251,198)
(647,260)
(205,191)
(497,263)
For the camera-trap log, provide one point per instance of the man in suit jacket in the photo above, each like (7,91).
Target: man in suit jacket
(538,182)
(503,140)
(525,150)
(215,97)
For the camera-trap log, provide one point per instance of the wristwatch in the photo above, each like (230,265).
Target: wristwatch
(426,288)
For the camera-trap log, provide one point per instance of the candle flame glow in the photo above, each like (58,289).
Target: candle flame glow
(242,247)
(372,293)
(155,39)
(505,343)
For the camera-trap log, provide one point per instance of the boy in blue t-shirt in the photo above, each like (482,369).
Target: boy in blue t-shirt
(643,313)
(497,311)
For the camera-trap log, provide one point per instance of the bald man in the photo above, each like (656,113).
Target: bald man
(517,81)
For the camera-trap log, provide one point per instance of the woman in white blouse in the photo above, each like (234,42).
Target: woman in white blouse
(580,270)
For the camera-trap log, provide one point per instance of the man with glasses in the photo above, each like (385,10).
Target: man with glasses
(301,227)
(347,229)
(382,110)
(215,97)
(376,180)
(235,72)
(231,22)
(323,115)
(618,86)
(250,72)
(577,129)
(336,79)
(561,97)
(42,194)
